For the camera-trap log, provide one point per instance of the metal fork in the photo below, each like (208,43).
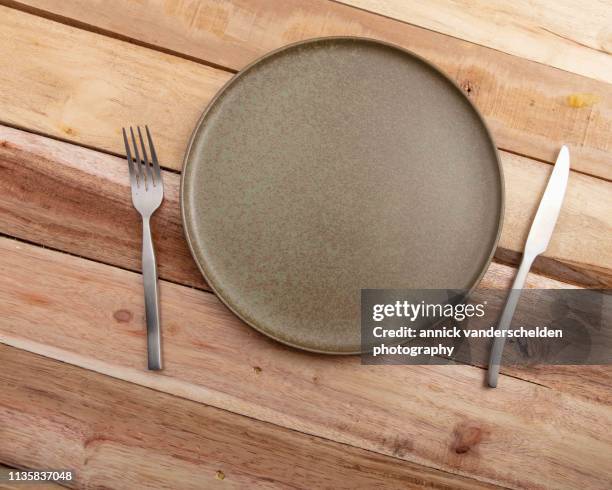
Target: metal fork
(147,195)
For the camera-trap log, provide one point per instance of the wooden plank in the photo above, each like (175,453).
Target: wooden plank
(83,86)
(592,382)
(570,35)
(90,315)
(78,200)
(587,206)
(93,217)
(54,414)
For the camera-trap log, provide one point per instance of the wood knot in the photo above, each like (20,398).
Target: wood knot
(468,87)
(68,130)
(123,316)
(466,437)
(578,101)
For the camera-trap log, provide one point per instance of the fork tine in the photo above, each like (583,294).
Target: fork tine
(154,156)
(139,172)
(146,158)
(133,179)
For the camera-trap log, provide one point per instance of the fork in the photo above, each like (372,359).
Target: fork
(147,195)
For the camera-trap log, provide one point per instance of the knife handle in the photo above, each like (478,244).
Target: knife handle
(506,317)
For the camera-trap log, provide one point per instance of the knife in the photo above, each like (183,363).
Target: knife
(537,242)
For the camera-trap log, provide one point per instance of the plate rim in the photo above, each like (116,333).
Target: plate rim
(270,54)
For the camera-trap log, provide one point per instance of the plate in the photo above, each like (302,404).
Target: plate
(333,165)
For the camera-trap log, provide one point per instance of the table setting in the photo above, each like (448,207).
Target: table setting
(276,174)
(192,218)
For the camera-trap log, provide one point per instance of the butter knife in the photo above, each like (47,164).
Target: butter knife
(537,242)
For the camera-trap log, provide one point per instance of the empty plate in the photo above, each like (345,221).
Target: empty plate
(333,165)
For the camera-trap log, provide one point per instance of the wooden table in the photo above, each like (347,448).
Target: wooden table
(233,409)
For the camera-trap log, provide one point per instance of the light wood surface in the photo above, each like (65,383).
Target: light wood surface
(92,316)
(586,207)
(59,415)
(93,183)
(78,200)
(564,34)
(92,216)
(234,408)
(83,86)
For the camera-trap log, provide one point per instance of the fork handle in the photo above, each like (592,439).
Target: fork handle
(151,294)
(506,317)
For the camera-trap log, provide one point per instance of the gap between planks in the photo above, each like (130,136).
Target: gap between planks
(210,357)
(199,440)
(95,182)
(71,224)
(568,35)
(471,28)
(112,236)
(499,84)
(497,276)
(103,151)
(204,288)
(40,12)
(101,224)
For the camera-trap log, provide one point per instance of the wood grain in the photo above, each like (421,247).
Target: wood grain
(570,35)
(91,315)
(587,206)
(84,87)
(81,86)
(56,415)
(78,200)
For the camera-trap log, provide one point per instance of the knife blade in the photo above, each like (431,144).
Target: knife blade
(550,206)
(537,242)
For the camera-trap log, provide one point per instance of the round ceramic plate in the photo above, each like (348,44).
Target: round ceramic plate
(333,165)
